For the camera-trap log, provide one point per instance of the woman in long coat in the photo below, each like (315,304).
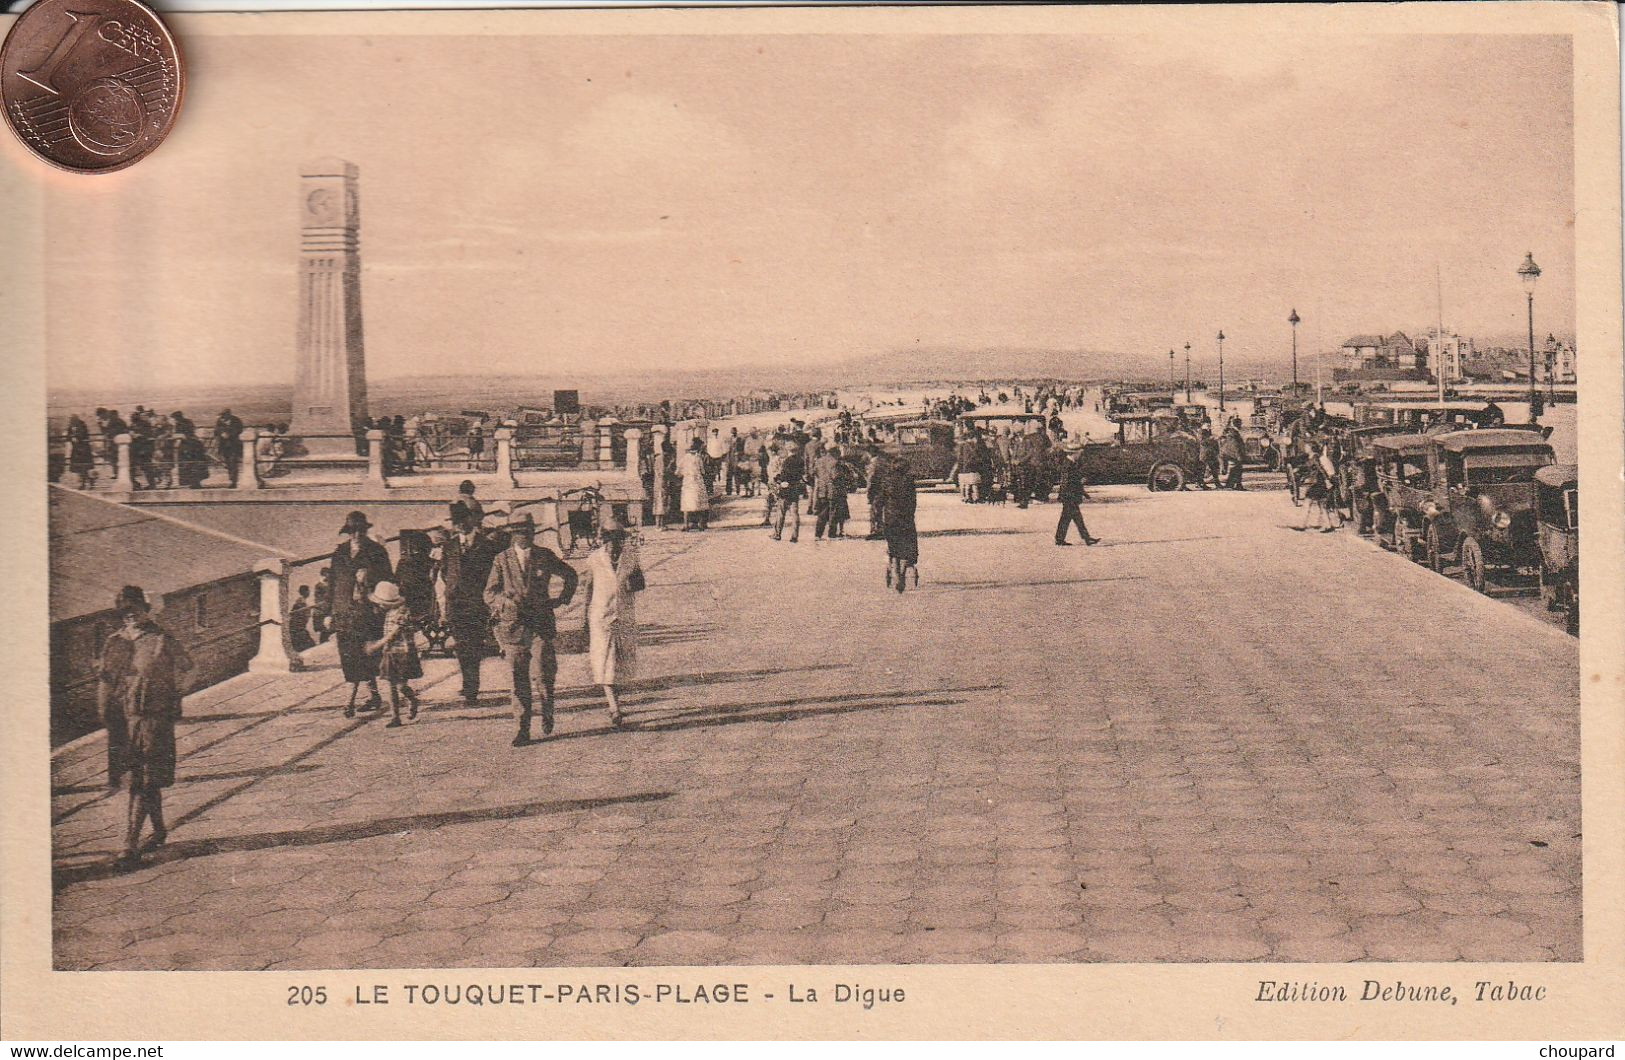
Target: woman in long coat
(696,497)
(139,689)
(614,578)
(359,564)
(902,540)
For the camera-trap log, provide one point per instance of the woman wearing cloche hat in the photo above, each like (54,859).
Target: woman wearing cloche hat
(358,564)
(614,578)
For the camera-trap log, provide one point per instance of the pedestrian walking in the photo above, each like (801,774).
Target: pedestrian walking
(396,649)
(138,686)
(696,494)
(829,495)
(228,431)
(81,455)
(614,579)
(1071,493)
(299,621)
(1208,449)
(1317,493)
(876,490)
(321,611)
(1232,452)
(790,483)
(520,597)
(359,563)
(902,539)
(465,566)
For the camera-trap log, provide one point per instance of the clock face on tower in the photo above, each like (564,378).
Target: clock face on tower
(322,207)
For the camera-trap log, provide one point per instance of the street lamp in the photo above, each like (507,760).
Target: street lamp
(1294,320)
(1529,272)
(1221,373)
(1173,380)
(1187,373)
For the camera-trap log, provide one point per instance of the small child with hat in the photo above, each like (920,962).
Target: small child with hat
(397,649)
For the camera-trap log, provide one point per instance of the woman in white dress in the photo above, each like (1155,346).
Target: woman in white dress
(614,579)
(696,496)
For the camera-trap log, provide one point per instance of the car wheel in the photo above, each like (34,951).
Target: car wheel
(1472,565)
(1165,477)
(1435,548)
(1405,537)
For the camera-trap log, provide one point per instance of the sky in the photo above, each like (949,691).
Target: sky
(623,204)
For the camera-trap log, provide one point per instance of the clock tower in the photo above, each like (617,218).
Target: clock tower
(330,379)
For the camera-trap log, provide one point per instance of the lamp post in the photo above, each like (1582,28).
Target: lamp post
(1187,373)
(1221,373)
(1529,272)
(1173,380)
(1294,320)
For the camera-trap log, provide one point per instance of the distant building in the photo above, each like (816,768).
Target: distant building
(1450,354)
(201,582)
(1381,357)
(1555,361)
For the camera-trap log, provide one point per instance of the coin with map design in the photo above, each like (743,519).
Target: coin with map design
(90,85)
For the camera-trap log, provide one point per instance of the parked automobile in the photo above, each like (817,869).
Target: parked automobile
(1150,448)
(926,447)
(1483,514)
(1557,519)
(1402,496)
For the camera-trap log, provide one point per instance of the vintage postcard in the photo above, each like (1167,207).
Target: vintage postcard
(961,522)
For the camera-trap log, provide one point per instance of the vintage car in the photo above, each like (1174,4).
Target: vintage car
(1149,447)
(1483,505)
(926,447)
(1402,494)
(1557,523)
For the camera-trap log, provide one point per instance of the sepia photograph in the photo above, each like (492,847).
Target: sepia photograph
(630,497)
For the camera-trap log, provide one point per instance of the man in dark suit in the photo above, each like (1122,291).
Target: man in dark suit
(519,594)
(465,565)
(1071,493)
(228,430)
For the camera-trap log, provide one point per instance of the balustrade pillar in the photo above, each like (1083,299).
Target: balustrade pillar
(606,445)
(589,443)
(504,456)
(276,654)
(248,476)
(122,479)
(375,457)
(634,470)
(658,488)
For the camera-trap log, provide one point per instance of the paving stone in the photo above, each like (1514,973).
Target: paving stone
(1155,810)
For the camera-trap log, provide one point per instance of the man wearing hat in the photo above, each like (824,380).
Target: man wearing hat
(1070,494)
(465,564)
(358,564)
(519,594)
(139,693)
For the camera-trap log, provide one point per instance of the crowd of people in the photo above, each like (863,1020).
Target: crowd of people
(166,452)
(478,590)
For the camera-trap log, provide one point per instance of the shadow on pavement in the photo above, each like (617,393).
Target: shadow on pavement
(780,710)
(950,587)
(195,778)
(973,532)
(1160,541)
(339,833)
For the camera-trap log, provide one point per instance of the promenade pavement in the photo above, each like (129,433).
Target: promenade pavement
(1207,739)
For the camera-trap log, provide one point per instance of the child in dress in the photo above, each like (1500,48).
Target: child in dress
(397,650)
